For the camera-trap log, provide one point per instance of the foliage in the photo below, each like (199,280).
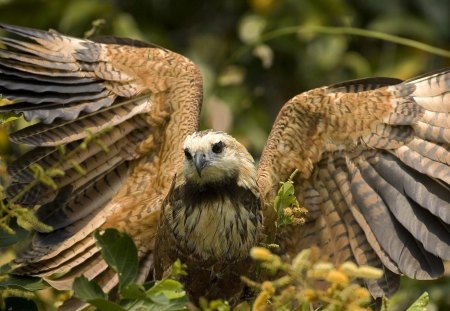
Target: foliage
(12,213)
(166,295)
(113,244)
(286,206)
(421,303)
(16,221)
(18,287)
(120,252)
(307,280)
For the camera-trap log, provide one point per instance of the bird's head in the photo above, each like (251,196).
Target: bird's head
(212,157)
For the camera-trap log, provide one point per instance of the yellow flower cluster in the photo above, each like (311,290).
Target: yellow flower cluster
(307,282)
(297,213)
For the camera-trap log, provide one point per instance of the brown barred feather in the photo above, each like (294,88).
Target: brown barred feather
(398,197)
(75,87)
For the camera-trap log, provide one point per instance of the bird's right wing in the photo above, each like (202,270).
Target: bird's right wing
(141,101)
(374,174)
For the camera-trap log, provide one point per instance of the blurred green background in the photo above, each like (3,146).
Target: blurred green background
(246,85)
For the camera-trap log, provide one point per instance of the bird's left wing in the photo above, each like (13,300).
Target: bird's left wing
(373,161)
(139,100)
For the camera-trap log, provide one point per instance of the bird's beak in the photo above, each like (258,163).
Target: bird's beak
(200,162)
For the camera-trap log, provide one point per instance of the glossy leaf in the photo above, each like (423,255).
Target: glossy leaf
(120,252)
(7,239)
(28,283)
(105,305)
(133,291)
(171,289)
(169,305)
(8,117)
(87,290)
(421,303)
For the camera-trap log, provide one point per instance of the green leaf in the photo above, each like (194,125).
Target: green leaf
(55,172)
(105,305)
(27,219)
(120,252)
(77,167)
(166,295)
(96,25)
(102,145)
(160,300)
(28,283)
(285,198)
(147,285)
(421,303)
(243,306)
(6,268)
(8,117)
(7,239)
(384,304)
(5,101)
(133,291)
(171,289)
(87,290)
(218,305)
(170,305)
(178,268)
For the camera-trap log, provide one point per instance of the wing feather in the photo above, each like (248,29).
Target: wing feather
(33,86)
(10,71)
(376,151)
(63,132)
(140,99)
(360,247)
(343,180)
(393,237)
(39,72)
(420,188)
(49,156)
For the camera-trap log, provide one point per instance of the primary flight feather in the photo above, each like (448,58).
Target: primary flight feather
(372,155)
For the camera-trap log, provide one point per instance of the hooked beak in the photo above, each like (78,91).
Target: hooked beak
(200,162)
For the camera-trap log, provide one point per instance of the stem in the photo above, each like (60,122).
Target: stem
(338,31)
(27,188)
(283,281)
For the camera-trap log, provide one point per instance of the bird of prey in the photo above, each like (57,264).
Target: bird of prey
(211,217)
(372,157)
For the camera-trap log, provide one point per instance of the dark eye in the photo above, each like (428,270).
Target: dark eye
(217,147)
(187,154)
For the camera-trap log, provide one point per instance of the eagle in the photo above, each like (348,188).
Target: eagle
(372,157)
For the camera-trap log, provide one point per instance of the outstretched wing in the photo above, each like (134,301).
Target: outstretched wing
(141,100)
(373,161)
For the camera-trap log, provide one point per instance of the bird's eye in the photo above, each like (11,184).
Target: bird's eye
(217,147)
(187,154)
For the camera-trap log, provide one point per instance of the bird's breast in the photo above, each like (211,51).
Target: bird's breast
(218,225)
